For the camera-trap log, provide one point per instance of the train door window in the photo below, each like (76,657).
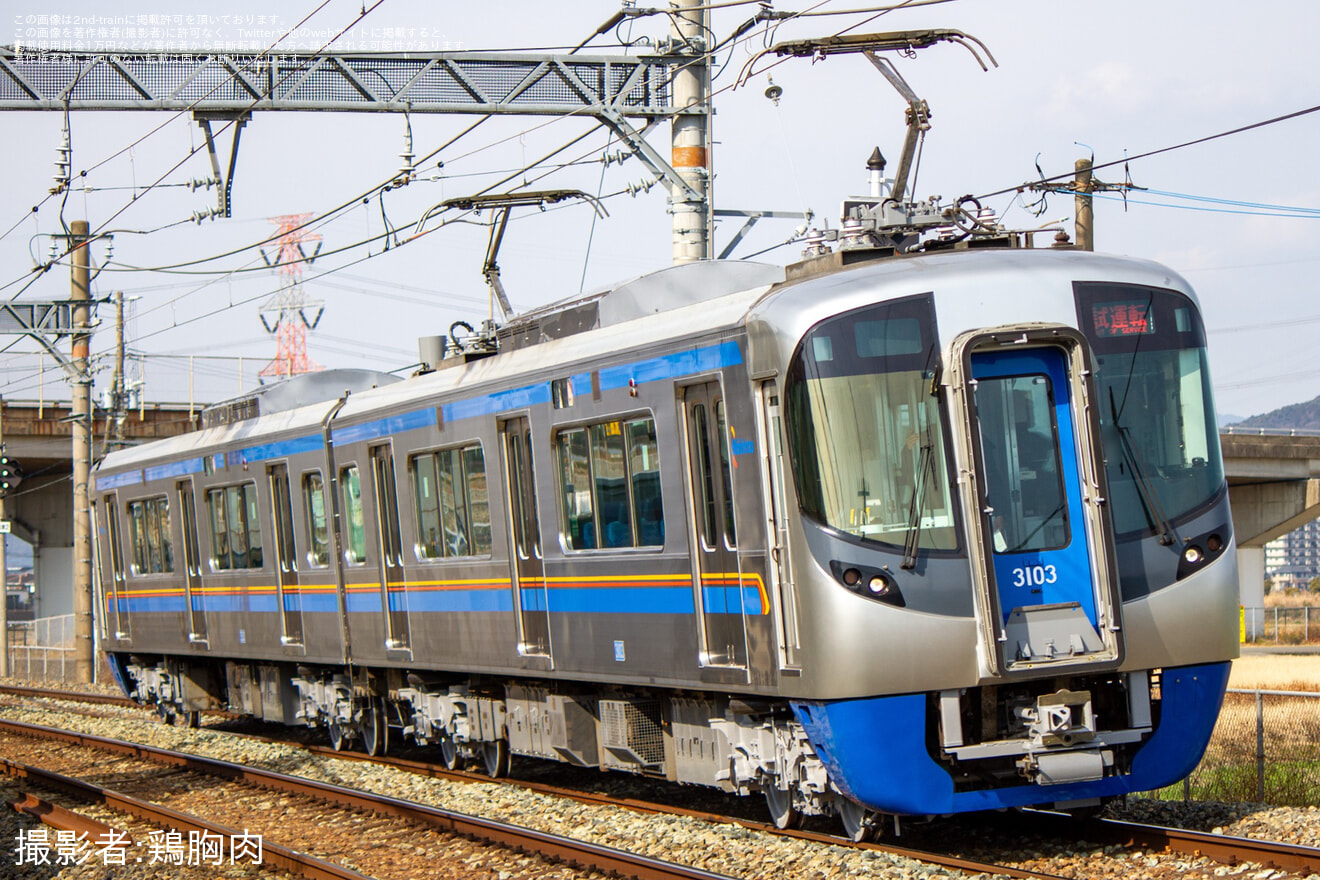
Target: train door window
(575,470)
(644,471)
(351,486)
(1024,478)
(235,527)
(726,475)
(318,553)
(705,479)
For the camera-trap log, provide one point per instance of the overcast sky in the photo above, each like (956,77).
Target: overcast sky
(1121,77)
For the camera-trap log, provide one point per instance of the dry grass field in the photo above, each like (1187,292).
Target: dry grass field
(1276,672)
(1290,771)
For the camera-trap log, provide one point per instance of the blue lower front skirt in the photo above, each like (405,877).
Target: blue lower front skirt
(875,750)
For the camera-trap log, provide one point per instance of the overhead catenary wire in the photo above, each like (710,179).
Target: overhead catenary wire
(227,273)
(99,230)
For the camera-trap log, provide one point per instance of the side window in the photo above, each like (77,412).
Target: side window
(474,468)
(426,492)
(610,478)
(252,519)
(575,468)
(235,527)
(318,553)
(351,486)
(221,558)
(452,506)
(149,535)
(644,477)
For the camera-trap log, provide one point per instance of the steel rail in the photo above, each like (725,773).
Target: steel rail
(71,696)
(66,820)
(435,771)
(279,856)
(1217,847)
(587,856)
(1304,860)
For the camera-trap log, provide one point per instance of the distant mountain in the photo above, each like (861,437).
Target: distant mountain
(1299,416)
(1226,419)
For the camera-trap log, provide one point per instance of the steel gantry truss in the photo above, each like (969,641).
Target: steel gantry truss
(438,82)
(218,86)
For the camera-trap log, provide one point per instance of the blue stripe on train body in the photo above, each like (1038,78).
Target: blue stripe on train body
(670,366)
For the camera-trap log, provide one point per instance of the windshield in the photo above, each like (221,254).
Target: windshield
(864,427)
(1156,415)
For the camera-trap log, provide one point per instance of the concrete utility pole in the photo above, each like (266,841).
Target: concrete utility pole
(691,134)
(81,296)
(1083,186)
(118,401)
(4,574)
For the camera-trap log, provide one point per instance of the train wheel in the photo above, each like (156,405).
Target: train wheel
(495,755)
(375,731)
(190,719)
(167,713)
(857,821)
(448,752)
(782,811)
(337,736)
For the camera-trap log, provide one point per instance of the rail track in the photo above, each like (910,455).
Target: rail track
(584,856)
(1131,836)
(587,856)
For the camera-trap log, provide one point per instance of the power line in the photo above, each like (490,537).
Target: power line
(1184,145)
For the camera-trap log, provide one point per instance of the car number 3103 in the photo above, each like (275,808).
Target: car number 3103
(1035,575)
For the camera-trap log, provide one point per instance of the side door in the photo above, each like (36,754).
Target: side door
(716,574)
(112,572)
(394,588)
(525,540)
(193,595)
(287,592)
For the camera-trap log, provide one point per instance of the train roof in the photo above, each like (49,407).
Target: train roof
(682,302)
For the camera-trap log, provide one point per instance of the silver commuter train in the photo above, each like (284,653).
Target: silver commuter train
(868,535)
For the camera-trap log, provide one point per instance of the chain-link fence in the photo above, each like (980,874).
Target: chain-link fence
(1264,749)
(42,649)
(1281,626)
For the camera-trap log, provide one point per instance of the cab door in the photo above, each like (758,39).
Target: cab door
(1040,544)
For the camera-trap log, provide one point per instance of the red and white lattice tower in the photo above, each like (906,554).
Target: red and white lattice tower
(290,309)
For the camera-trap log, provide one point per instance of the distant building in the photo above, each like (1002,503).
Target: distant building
(1293,561)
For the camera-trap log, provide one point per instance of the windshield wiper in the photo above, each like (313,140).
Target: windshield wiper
(925,463)
(1144,490)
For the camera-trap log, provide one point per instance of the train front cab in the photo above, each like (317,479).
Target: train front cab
(1090,485)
